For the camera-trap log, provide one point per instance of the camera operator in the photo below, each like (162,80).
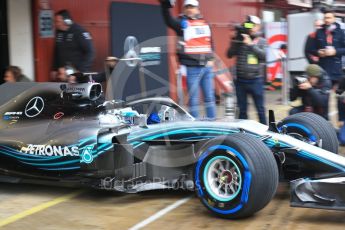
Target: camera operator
(314,90)
(250,49)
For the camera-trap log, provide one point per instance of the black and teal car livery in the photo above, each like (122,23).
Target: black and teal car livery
(69,134)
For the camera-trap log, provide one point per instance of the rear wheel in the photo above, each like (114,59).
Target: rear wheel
(311,128)
(236,175)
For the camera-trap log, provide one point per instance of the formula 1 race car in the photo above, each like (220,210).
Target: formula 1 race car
(68,134)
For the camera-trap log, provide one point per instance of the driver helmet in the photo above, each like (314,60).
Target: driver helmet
(153,119)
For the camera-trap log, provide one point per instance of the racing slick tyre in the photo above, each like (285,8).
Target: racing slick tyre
(311,128)
(236,175)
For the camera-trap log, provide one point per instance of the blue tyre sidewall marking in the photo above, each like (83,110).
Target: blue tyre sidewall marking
(305,129)
(208,189)
(246,182)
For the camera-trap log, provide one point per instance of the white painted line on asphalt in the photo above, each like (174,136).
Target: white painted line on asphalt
(159,214)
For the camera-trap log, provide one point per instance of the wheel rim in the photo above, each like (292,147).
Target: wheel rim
(222,178)
(299,137)
(306,135)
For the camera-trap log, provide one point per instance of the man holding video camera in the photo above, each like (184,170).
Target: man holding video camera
(195,51)
(314,90)
(250,49)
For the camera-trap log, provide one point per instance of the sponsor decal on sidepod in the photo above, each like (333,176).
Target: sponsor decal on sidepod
(49,150)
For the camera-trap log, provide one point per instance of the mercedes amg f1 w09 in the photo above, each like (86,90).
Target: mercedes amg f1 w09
(68,134)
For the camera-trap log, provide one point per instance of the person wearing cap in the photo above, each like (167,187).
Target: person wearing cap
(250,50)
(195,51)
(314,92)
(109,65)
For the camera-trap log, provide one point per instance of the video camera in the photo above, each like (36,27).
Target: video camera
(244,29)
(300,80)
(240,29)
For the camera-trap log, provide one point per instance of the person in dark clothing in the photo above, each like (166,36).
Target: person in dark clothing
(195,51)
(314,92)
(340,92)
(250,51)
(329,46)
(14,74)
(310,44)
(73,47)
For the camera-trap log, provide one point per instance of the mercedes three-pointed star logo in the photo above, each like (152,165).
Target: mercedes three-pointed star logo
(34,107)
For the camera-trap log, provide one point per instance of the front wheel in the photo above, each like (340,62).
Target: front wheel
(311,128)
(236,175)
